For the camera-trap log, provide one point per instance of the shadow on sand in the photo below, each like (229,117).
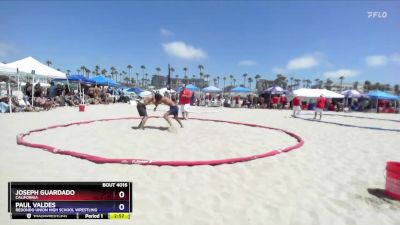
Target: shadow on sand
(151,127)
(379,193)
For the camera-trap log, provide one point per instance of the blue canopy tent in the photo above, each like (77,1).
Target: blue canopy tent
(75,79)
(101,80)
(241,90)
(190,87)
(382,95)
(136,90)
(212,89)
(376,94)
(80,79)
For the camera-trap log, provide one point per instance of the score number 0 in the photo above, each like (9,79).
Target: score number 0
(121,206)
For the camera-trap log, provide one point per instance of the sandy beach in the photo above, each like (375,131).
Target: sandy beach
(324,182)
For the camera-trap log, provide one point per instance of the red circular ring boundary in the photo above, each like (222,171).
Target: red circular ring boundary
(97,159)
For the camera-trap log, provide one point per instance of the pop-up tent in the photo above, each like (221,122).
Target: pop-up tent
(76,79)
(190,87)
(7,69)
(136,90)
(241,90)
(101,80)
(351,94)
(382,95)
(314,93)
(274,90)
(212,89)
(30,64)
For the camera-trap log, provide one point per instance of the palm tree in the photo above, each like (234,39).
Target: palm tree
(250,80)
(317,82)
(112,72)
(215,81)
(291,83)
(120,77)
(224,79)
(397,89)
(103,72)
(308,81)
(341,82)
(78,71)
(193,78)
(328,84)
(297,82)
(68,72)
(158,69)
(96,69)
(185,69)
(186,79)
(244,79)
(207,76)
(143,67)
(126,79)
(124,75)
(172,69)
(218,81)
(231,77)
(137,79)
(48,62)
(83,68)
(201,68)
(129,67)
(176,76)
(234,82)
(87,72)
(145,78)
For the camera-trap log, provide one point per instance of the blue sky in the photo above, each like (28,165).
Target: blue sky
(307,39)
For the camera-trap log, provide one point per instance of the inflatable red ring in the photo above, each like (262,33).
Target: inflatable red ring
(98,159)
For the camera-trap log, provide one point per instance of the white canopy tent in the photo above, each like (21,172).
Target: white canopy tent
(30,64)
(8,70)
(315,93)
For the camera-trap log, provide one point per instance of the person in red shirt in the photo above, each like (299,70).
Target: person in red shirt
(283,101)
(275,101)
(184,102)
(296,105)
(319,108)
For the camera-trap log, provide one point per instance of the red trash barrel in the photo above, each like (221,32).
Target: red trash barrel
(392,187)
(81,108)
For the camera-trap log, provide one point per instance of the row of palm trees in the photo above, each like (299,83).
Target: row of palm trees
(128,78)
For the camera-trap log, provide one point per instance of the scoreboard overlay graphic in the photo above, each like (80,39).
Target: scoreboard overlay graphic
(70,200)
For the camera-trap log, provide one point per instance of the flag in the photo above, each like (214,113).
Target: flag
(169,78)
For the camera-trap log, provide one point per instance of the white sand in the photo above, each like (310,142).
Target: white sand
(324,182)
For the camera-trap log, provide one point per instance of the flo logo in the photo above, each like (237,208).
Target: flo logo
(377,14)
